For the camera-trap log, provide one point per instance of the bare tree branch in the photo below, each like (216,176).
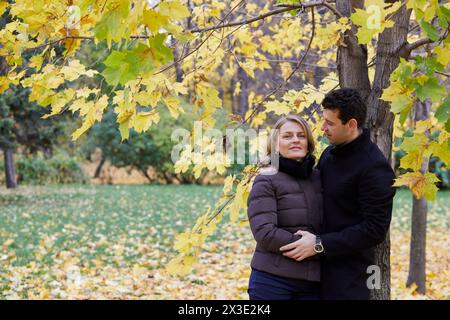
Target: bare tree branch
(405,50)
(442,73)
(207,37)
(256,108)
(285,8)
(288,61)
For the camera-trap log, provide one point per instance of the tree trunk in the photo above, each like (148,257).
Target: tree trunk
(48,152)
(178,53)
(144,172)
(10,172)
(99,168)
(242,99)
(167,177)
(380,121)
(221,82)
(232,97)
(352,59)
(353,73)
(417,254)
(183,179)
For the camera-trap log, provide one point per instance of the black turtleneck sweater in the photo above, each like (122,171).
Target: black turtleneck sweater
(357,194)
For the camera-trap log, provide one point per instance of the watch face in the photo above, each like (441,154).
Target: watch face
(318,248)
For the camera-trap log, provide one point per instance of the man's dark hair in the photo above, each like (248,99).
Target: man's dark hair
(349,103)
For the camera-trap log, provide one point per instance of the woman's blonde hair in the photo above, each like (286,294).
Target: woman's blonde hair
(273,137)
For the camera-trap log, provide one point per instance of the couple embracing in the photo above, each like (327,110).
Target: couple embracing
(316,225)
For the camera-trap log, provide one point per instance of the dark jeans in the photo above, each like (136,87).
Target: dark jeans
(267,286)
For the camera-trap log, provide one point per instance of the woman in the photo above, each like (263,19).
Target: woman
(280,203)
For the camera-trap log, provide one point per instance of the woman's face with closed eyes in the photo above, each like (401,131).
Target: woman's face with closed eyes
(292,141)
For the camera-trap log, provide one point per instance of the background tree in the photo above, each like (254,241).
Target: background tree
(149,150)
(7,144)
(417,260)
(22,125)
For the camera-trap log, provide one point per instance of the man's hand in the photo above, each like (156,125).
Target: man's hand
(302,248)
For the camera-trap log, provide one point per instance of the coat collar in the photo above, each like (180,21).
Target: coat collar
(300,169)
(359,143)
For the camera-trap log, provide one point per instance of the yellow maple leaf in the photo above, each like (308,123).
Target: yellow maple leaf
(173,9)
(4,83)
(277,107)
(155,20)
(373,19)
(143,120)
(59,100)
(412,160)
(75,69)
(399,96)
(36,62)
(228,184)
(92,112)
(173,104)
(443,54)
(420,185)
(209,96)
(440,150)
(331,34)
(416,142)
(3,6)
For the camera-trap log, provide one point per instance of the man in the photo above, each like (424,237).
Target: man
(358,194)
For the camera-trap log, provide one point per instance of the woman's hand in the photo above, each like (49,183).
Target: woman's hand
(302,248)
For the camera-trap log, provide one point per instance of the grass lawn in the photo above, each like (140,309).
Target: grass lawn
(103,241)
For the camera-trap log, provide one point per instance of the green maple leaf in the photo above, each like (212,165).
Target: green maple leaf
(123,66)
(430,30)
(117,68)
(403,72)
(431,88)
(443,112)
(428,65)
(110,27)
(400,103)
(161,53)
(443,16)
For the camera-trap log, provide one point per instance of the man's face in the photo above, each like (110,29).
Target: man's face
(336,132)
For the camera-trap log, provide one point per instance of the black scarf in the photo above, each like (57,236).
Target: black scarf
(300,169)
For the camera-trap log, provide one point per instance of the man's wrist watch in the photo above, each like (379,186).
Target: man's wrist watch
(318,247)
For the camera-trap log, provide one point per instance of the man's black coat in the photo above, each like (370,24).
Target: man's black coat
(358,194)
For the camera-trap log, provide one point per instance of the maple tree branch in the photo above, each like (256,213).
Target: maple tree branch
(324,3)
(242,22)
(199,46)
(284,8)
(442,73)
(405,50)
(288,61)
(256,109)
